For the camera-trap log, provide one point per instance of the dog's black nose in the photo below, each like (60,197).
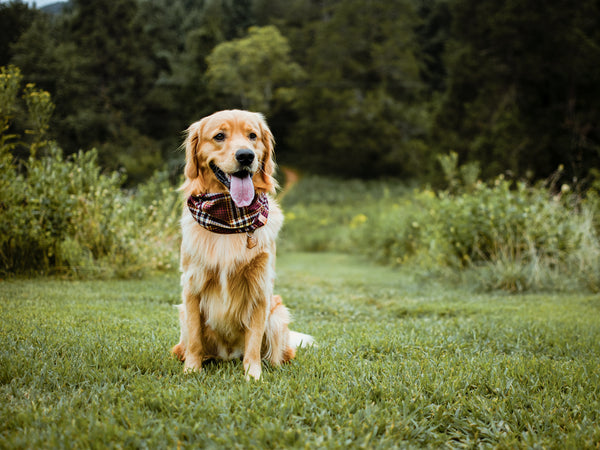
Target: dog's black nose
(244,156)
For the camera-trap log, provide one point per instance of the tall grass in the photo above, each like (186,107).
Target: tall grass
(497,235)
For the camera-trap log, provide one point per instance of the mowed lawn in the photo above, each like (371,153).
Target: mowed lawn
(401,361)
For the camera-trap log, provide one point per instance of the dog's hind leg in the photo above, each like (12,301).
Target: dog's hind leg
(280,342)
(275,348)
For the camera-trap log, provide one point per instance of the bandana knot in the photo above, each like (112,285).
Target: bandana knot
(218,213)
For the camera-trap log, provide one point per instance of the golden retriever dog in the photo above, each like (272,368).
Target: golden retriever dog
(229,225)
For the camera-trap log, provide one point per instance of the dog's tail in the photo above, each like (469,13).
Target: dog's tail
(297,340)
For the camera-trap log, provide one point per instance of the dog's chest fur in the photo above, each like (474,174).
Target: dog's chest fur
(228,279)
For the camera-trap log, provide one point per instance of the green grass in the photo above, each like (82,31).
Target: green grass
(401,361)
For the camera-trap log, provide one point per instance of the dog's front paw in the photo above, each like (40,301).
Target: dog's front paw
(252,370)
(179,352)
(191,365)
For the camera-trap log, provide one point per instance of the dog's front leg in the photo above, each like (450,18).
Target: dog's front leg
(194,351)
(253,343)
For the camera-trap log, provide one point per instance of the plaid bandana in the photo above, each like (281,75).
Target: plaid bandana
(219,214)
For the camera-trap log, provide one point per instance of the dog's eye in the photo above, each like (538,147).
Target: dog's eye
(219,137)
(252,136)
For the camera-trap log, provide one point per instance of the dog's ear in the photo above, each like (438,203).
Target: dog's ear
(194,179)
(191,142)
(266,181)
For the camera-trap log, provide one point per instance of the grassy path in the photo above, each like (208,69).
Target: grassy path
(400,362)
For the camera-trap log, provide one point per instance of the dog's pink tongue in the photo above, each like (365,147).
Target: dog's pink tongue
(242,190)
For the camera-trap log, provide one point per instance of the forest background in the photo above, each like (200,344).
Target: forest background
(490,108)
(384,86)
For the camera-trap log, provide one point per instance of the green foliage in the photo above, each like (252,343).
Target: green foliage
(400,363)
(70,218)
(520,93)
(101,79)
(10,78)
(499,235)
(63,214)
(15,18)
(358,113)
(351,89)
(256,71)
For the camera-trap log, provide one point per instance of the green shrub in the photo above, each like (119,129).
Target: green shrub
(71,218)
(63,215)
(497,235)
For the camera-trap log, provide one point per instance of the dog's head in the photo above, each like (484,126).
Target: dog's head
(230,151)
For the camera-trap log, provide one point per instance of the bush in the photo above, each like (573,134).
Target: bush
(520,236)
(497,235)
(63,215)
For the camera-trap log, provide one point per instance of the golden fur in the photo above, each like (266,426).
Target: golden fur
(228,309)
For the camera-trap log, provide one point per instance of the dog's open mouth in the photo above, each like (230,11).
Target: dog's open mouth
(239,184)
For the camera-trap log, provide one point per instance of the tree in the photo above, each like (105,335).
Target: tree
(359,113)
(15,19)
(98,63)
(433,32)
(119,58)
(522,89)
(255,72)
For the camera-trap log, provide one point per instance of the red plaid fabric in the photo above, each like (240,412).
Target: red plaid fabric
(218,213)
